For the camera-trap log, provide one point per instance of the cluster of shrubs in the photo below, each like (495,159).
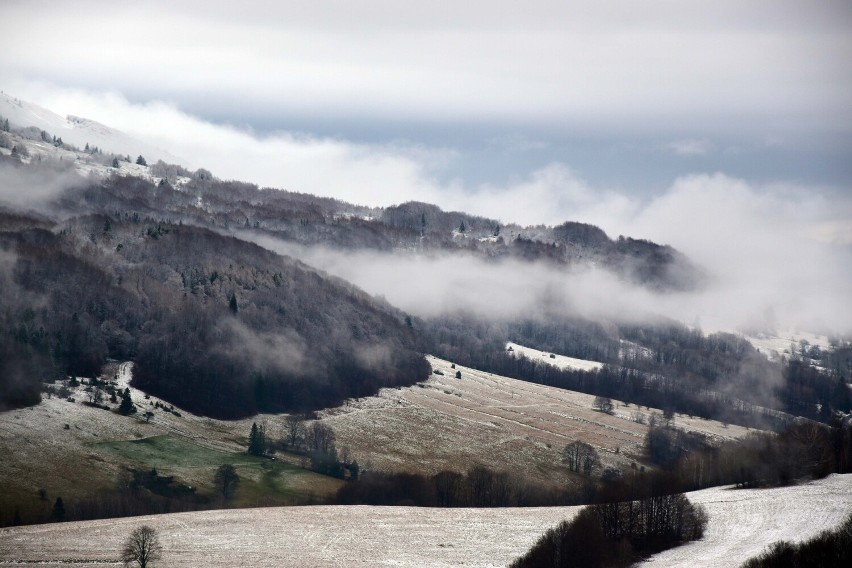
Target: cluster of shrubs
(618,534)
(170,408)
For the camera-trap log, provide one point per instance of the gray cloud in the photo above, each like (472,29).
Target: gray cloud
(778,258)
(588,64)
(691,147)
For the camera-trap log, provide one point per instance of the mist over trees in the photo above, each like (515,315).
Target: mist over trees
(142,271)
(127,287)
(661,364)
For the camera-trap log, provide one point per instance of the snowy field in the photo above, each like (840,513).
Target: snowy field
(79,131)
(742,523)
(558,361)
(502,423)
(303,537)
(775,346)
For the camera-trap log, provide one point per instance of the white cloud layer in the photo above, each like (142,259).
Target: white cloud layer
(777,253)
(604,64)
(691,147)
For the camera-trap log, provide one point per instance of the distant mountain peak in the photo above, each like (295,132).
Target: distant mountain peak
(79,131)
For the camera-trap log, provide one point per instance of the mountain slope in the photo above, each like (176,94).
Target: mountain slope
(78,131)
(216,324)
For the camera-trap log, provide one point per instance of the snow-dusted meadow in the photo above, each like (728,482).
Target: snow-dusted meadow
(742,523)
(442,423)
(783,343)
(558,361)
(38,451)
(502,423)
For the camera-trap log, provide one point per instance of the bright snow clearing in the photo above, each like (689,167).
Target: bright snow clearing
(559,361)
(785,343)
(742,523)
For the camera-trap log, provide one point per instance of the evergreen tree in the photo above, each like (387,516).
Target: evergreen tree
(59,510)
(232,303)
(115,163)
(257,443)
(126,407)
(462,228)
(141,161)
(6,125)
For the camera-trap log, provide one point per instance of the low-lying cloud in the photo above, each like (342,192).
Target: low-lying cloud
(32,187)
(776,253)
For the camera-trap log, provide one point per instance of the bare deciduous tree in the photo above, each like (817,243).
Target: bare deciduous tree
(226,479)
(294,430)
(320,438)
(603,404)
(142,547)
(581,457)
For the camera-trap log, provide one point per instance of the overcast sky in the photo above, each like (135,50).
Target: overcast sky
(723,128)
(627,94)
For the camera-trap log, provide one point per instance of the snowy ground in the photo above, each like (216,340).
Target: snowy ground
(502,423)
(79,131)
(742,523)
(443,423)
(774,346)
(559,361)
(39,452)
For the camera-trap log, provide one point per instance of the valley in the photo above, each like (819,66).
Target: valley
(162,328)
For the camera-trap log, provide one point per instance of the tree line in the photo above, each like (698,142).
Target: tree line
(618,534)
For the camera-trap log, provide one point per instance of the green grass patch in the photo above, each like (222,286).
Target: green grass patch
(262,481)
(169,452)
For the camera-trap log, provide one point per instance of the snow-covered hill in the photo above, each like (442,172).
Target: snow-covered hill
(79,131)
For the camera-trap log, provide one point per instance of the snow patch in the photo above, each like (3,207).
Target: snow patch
(554,359)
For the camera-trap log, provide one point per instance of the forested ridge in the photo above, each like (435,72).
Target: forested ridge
(311,220)
(125,268)
(216,325)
